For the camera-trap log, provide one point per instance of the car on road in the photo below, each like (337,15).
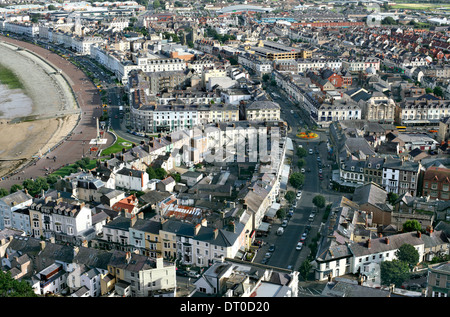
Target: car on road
(181,272)
(320,171)
(302,170)
(303,237)
(299,246)
(265,260)
(268,255)
(294,204)
(272,248)
(310,151)
(311,217)
(318,159)
(284,224)
(193,274)
(299,194)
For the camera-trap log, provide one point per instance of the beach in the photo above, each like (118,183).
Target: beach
(36,118)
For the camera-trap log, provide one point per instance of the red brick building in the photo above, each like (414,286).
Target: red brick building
(436,183)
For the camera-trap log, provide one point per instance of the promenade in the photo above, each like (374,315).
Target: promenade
(75,145)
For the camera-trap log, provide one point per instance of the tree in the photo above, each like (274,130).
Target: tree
(301,152)
(319,201)
(392,197)
(281,213)
(411,225)
(304,269)
(297,180)
(156,4)
(160,173)
(394,272)
(15,187)
(10,287)
(290,196)
(3,192)
(301,163)
(438,91)
(176,177)
(151,173)
(266,77)
(408,254)
(389,21)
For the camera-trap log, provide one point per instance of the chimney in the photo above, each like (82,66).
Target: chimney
(368,243)
(197,229)
(133,220)
(75,250)
(42,244)
(419,234)
(216,233)
(387,240)
(128,257)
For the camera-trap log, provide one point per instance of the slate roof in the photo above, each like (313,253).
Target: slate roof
(379,245)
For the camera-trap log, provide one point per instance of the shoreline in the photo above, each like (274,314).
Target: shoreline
(54,111)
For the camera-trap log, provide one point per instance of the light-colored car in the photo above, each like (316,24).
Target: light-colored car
(310,151)
(284,224)
(302,170)
(299,246)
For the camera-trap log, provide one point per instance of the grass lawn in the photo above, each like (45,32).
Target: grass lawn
(420,6)
(8,78)
(117,146)
(69,169)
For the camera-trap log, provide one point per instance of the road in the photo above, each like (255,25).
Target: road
(285,254)
(77,145)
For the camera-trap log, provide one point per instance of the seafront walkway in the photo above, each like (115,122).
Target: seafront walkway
(76,145)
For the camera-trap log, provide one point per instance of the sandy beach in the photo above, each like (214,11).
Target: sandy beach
(37,118)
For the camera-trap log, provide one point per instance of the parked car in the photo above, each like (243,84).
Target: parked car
(181,272)
(299,246)
(272,248)
(193,274)
(303,237)
(284,223)
(310,151)
(299,194)
(302,170)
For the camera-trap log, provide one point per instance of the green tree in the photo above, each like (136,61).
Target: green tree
(438,91)
(3,192)
(301,163)
(301,152)
(392,197)
(176,177)
(408,254)
(10,287)
(151,173)
(160,173)
(297,180)
(15,187)
(394,272)
(281,213)
(156,4)
(411,225)
(305,269)
(266,77)
(36,186)
(319,201)
(290,196)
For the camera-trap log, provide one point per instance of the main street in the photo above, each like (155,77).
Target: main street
(285,254)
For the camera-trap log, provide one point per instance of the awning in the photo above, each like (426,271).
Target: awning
(264,226)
